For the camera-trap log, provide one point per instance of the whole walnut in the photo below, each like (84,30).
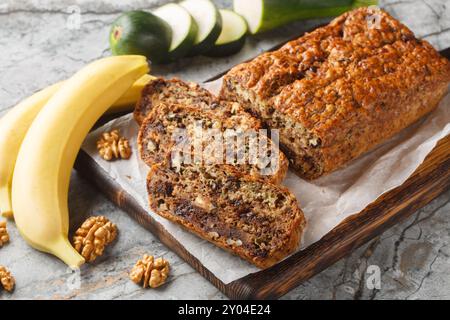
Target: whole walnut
(112,146)
(150,272)
(6,279)
(93,236)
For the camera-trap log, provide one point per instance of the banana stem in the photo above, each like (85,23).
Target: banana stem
(67,253)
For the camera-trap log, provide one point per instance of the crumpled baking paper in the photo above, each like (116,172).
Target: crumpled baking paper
(326,202)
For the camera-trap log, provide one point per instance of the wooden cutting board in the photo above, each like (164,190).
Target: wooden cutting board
(430,180)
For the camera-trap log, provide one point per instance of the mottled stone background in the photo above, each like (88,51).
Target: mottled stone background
(37,49)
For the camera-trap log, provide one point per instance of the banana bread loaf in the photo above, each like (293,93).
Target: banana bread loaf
(340,90)
(230,136)
(258,221)
(171,91)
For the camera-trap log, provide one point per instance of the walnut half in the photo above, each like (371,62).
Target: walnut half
(112,146)
(6,279)
(150,272)
(93,236)
(4,236)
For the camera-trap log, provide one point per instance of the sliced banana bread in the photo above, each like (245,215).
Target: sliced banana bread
(258,221)
(230,136)
(341,90)
(171,91)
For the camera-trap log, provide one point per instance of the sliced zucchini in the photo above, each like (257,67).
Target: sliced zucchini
(140,32)
(209,23)
(184,29)
(233,35)
(263,15)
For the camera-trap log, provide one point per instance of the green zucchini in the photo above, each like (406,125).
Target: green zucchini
(140,32)
(209,23)
(263,15)
(184,29)
(233,35)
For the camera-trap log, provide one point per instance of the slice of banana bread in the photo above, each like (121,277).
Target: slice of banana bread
(230,136)
(258,221)
(341,90)
(171,91)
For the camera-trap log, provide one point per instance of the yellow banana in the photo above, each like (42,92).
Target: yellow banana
(16,122)
(45,160)
(14,125)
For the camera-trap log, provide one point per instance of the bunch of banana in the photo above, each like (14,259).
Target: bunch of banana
(41,138)
(15,124)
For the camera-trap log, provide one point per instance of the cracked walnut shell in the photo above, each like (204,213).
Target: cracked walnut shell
(4,236)
(112,146)
(6,279)
(93,236)
(150,272)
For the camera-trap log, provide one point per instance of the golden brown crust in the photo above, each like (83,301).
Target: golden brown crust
(171,91)
(251,229)
(347,87)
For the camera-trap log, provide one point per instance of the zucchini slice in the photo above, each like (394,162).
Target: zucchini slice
(209,23)
(263,15)
(184,29)
(233,35)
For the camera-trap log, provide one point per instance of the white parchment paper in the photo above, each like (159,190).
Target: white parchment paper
(326,201)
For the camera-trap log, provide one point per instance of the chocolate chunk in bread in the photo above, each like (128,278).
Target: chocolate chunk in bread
(229,136)
(258,221)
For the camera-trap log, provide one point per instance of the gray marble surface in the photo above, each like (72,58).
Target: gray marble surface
(40,44)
